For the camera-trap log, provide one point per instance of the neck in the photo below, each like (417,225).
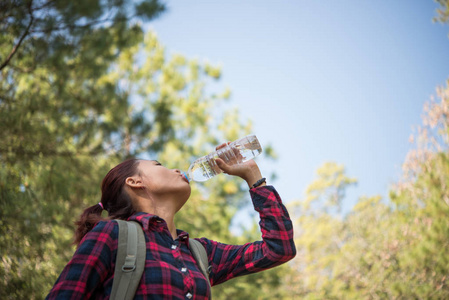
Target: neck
(167,213)
(164,206)
(169,219)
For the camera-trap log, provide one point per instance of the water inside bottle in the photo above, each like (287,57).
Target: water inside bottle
(201,170)
(237,152)
(248,147)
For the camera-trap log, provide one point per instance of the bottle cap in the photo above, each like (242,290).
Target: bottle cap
(185,175)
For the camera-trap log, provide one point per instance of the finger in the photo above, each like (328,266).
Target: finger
(222,145)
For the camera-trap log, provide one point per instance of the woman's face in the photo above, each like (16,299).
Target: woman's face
(160,180)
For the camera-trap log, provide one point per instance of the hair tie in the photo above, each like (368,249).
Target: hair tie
(101,204)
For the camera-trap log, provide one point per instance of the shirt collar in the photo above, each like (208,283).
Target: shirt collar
(148,220)
(182,235)
(145,219)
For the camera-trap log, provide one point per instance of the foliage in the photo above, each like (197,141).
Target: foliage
(422,200)
(442,11)
(40,32)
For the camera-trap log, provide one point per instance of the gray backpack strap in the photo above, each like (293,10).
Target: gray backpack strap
(130,261)
(200,255)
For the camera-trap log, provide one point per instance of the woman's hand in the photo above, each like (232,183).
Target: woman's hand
(248,171)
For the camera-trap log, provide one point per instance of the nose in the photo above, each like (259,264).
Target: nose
(177,171)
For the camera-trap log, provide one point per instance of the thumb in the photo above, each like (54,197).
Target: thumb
(222,165)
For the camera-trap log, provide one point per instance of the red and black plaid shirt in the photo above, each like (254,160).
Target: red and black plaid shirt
(170,270)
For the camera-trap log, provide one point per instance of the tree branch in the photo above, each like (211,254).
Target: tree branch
(84,26)
(14,50)
(22,152)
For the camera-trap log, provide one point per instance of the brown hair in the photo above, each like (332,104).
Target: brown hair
(114,199)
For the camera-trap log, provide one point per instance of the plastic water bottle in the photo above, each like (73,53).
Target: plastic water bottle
(236,152)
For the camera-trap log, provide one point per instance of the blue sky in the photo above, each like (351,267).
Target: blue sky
(341,81)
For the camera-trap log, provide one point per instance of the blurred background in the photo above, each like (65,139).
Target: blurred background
(349,99)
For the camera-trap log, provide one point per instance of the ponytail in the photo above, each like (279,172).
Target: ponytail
(87,221)
(114,199)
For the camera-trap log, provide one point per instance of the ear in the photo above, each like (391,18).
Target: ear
(134,182)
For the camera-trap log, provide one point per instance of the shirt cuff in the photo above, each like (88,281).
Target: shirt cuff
(264,196)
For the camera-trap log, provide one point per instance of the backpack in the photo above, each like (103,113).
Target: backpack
(130,262)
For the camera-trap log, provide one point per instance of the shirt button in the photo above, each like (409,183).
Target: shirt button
(184,270)
(188,295)
(173,247)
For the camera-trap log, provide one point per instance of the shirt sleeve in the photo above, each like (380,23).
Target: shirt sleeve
(89,266)
(277,245)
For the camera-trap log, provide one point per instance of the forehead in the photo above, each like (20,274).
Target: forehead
(147,163)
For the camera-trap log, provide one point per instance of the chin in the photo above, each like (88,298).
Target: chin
(184,194)
(188,193)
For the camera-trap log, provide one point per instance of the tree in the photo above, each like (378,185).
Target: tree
(422,200)
(49,50)
(44,31)
(320,232)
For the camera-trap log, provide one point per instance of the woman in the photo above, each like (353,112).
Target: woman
(147,192)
